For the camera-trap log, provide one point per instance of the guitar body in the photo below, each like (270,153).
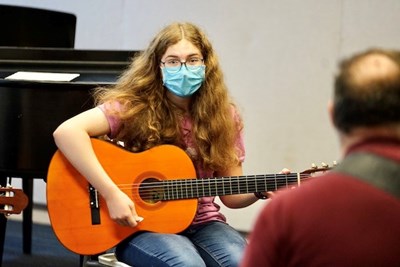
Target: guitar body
(68,197)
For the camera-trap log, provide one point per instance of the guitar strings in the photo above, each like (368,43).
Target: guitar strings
(192,188)
(203,181)
(233,179)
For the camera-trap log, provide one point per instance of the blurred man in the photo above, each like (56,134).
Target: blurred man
(349,216)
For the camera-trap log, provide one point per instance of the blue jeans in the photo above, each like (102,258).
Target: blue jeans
(210,244)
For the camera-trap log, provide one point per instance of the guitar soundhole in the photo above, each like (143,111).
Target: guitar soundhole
(151,190)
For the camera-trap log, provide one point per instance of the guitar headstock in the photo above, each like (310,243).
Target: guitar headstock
(12,200)
(323,168)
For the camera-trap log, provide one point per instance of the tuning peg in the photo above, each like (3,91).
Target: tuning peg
(313,166)
(335,163)
(324,165)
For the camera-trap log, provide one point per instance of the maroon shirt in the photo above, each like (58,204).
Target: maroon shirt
(332,220)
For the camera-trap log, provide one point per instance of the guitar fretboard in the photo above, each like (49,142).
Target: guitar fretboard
(219,186)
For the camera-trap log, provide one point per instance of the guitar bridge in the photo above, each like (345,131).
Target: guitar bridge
(94,205)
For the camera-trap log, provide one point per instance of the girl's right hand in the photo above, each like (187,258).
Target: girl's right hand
(122,209)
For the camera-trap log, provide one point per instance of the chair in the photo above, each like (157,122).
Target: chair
(106,259)
(31,27)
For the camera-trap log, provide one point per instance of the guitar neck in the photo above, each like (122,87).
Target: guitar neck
(218,186)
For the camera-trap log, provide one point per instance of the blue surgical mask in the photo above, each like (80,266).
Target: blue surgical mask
(183,82)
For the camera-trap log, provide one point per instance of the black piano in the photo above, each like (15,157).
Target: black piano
(31,110)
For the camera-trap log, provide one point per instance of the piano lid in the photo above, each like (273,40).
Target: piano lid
(93,66)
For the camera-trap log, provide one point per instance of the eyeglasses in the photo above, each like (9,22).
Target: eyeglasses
(174,65)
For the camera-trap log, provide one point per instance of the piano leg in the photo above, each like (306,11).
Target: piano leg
(27,186)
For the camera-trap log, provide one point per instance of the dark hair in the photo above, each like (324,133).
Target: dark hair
(367,93)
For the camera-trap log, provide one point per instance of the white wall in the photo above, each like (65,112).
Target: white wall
(279,58)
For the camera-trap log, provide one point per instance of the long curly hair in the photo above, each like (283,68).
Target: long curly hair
(149,118)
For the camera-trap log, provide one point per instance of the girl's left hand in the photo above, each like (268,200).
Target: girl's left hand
(270,194)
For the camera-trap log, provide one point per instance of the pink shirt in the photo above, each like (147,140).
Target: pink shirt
(207,209)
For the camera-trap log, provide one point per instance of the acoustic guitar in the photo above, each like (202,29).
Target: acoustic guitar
(12,200)
(161,183)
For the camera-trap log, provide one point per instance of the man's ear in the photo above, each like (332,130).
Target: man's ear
(331,112)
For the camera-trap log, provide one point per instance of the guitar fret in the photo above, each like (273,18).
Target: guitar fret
(180,192)
(186,188)
(174,188)
(191,188)
(175,192)
(252,183)
(209,187)
(163,190)
(220,186)
(261,184)
(286,180)
(178,189)
(265,185)
(237,191)
(172,196)
(214,186)
(166,191)
(197,188)
(171,190)
(182,188)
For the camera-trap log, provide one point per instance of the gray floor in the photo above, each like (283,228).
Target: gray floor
(47,251)
(39,215)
